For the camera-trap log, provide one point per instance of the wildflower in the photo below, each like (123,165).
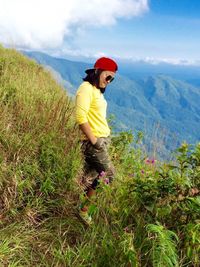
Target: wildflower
(126,229)
(150,161)
(147,161)
(101,177)
(106,181)
(102,174)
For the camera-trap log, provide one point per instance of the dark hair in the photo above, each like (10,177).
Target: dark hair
(93,77)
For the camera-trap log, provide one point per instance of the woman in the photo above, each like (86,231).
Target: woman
(91,116)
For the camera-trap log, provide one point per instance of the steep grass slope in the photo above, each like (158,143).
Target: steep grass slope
(149,216)
(39,160)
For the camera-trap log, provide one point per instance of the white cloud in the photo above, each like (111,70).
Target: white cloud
(43,24)
(163,60)
(172,61)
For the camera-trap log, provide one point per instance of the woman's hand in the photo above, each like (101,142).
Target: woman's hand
(99,143)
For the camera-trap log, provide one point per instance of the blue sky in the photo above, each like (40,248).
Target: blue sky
(152,30)
(169,30)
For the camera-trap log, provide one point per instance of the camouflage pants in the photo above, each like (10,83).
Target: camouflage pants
(96,162)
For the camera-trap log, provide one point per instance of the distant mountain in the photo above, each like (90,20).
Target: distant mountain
(69,71)
(141,69)
(167,110)
(195,82)
(177,103)
(164,108)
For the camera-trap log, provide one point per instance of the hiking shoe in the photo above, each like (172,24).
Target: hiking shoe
(85,217)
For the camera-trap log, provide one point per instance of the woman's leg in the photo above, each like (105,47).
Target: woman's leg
(98,160)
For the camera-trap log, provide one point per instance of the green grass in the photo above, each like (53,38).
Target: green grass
(148,217)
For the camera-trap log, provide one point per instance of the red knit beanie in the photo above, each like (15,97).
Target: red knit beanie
(106,63)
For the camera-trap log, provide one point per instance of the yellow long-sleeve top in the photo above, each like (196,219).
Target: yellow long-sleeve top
(91,107)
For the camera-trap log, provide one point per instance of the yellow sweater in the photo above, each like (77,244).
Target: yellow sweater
(91,107)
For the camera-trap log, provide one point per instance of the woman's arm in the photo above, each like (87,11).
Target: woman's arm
(85,128)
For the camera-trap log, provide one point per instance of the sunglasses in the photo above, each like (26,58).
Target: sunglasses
(109,78)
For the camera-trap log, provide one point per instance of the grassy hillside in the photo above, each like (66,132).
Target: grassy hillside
(148,217)
(39,157)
